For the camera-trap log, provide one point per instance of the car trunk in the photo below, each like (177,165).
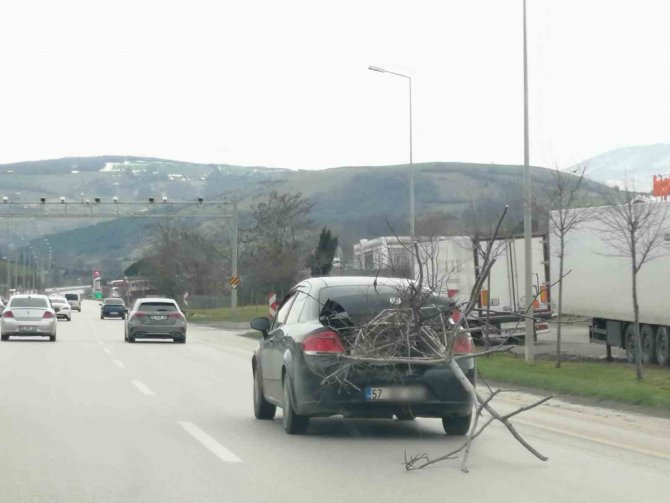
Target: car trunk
(28,313)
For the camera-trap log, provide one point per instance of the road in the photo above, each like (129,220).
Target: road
(92,418)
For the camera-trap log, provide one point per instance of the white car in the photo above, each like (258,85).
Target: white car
(28,315)
(75,301)
(61,307)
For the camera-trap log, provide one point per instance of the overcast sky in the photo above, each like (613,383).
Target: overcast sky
(285,83)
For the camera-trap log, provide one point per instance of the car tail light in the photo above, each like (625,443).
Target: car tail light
(463,344)
(176,315)
(138,314)
(47,315)
(327,341)
(7,314)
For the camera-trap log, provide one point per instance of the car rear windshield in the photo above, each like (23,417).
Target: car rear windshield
(114,302)
(157,306)
(343,306)
(72,296)
(29,302)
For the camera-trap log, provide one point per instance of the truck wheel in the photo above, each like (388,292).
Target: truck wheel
(663,345)
(630,343)
(648,346)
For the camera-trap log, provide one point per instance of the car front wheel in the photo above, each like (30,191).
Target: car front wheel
(294,424)
(456,425)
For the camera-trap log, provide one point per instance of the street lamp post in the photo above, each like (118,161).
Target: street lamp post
(527,216)
(411,163)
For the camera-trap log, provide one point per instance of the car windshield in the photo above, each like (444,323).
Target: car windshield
(157,306)
(58,300)
(113,302)
(37,302)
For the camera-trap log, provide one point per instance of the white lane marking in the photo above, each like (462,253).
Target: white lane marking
(106,350)
(210,443)
(143,388)
(119,364)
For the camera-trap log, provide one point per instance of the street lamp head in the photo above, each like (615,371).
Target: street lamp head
(376,69)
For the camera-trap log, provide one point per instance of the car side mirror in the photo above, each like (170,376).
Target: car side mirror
(261,324)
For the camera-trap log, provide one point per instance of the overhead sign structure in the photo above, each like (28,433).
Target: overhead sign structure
(234,282)
(272,304)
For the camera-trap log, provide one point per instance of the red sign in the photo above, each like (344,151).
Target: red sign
(272,303)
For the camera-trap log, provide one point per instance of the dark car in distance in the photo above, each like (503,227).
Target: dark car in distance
(299,343)
(113,307)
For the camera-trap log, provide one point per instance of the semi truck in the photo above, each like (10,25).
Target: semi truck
(598,286)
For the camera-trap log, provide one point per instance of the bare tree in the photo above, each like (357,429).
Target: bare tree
(418,331)
(634,228)
(561,202)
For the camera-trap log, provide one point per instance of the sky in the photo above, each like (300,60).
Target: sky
(285,83)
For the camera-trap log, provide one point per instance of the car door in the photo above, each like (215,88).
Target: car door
(270,372)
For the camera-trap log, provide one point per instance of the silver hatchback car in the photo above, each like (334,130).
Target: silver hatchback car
(28,315)
(156,318)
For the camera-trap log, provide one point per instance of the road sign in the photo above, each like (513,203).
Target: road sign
(234,282)
(272,303)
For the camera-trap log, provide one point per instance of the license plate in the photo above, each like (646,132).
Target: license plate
(28,329)
(158,317)
(395,394)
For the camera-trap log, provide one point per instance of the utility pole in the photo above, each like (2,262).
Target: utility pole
(233,293)
(9,276)
(527,215)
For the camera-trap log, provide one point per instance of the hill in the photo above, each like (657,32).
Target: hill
(356,202)
(634,165)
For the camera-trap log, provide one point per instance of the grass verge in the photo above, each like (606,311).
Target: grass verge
(601,380)
(239,315)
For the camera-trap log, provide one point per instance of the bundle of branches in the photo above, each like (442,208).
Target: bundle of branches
(396,334)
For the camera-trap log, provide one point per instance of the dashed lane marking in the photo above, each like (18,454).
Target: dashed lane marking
(143,388)
(210,443)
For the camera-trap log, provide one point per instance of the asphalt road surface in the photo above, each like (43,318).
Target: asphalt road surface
(92,418)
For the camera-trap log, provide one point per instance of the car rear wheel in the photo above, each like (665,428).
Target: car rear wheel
(52,338)
(294,424)
(4,337)
(131,338)
(180,340)
(262,408)
(456,425)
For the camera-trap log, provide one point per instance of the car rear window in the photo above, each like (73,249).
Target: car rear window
(345,306)
(158,306)
(72,296)
(29,302)
(114,302)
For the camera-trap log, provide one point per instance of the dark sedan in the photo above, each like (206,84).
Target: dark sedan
(300,346)
(113,307)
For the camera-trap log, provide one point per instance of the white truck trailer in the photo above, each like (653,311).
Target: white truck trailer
(599,287)
(501,300)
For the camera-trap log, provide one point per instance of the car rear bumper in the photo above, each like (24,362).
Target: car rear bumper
(445,396)
(13,327)
(111,314)
(157,332)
